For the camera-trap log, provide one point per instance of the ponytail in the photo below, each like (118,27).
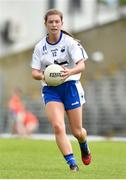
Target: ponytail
(69,34)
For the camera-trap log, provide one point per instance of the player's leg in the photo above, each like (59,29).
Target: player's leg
(55,114)
(75,120)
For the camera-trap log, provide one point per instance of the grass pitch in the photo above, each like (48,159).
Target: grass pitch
(40,159)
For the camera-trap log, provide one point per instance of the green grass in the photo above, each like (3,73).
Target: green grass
(39,159)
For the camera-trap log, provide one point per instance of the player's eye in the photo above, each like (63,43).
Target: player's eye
(57,21)
(50,22)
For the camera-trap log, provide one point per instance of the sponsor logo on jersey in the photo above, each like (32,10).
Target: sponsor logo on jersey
(54,52)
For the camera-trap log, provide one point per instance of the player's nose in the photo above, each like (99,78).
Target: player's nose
(54,23)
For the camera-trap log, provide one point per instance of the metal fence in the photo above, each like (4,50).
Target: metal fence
(106,105)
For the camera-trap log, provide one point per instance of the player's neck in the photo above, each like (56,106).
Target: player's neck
(53,38)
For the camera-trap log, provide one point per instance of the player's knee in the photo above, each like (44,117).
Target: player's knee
(80,133)
(77,133)
(84,132)
(58,128)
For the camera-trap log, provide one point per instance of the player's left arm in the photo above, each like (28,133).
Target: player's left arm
(80,66)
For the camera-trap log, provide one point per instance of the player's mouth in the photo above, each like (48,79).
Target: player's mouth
(53,30)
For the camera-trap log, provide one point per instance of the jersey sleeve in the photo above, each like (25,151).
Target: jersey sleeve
(77,52)
(36,62)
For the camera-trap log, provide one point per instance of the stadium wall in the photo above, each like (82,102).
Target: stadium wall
(110,40)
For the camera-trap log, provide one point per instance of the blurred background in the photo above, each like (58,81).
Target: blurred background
(101,27)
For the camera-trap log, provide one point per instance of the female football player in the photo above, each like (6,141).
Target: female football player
(59,47)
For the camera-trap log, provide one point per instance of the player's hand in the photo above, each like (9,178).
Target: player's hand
(66,73)
(43,77)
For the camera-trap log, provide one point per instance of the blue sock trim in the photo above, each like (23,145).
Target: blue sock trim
(70,159)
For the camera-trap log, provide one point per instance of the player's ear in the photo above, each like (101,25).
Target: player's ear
(45,23)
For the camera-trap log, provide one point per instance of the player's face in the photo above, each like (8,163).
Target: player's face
(53,24)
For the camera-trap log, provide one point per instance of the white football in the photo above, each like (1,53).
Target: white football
(53,75)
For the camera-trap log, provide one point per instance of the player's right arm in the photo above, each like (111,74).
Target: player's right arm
(37,74)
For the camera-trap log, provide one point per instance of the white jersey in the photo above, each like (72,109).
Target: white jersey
(66,52)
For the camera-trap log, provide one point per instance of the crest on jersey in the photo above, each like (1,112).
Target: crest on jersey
(62,49)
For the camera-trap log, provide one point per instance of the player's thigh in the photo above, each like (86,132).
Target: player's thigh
(75,118)
(55,112)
